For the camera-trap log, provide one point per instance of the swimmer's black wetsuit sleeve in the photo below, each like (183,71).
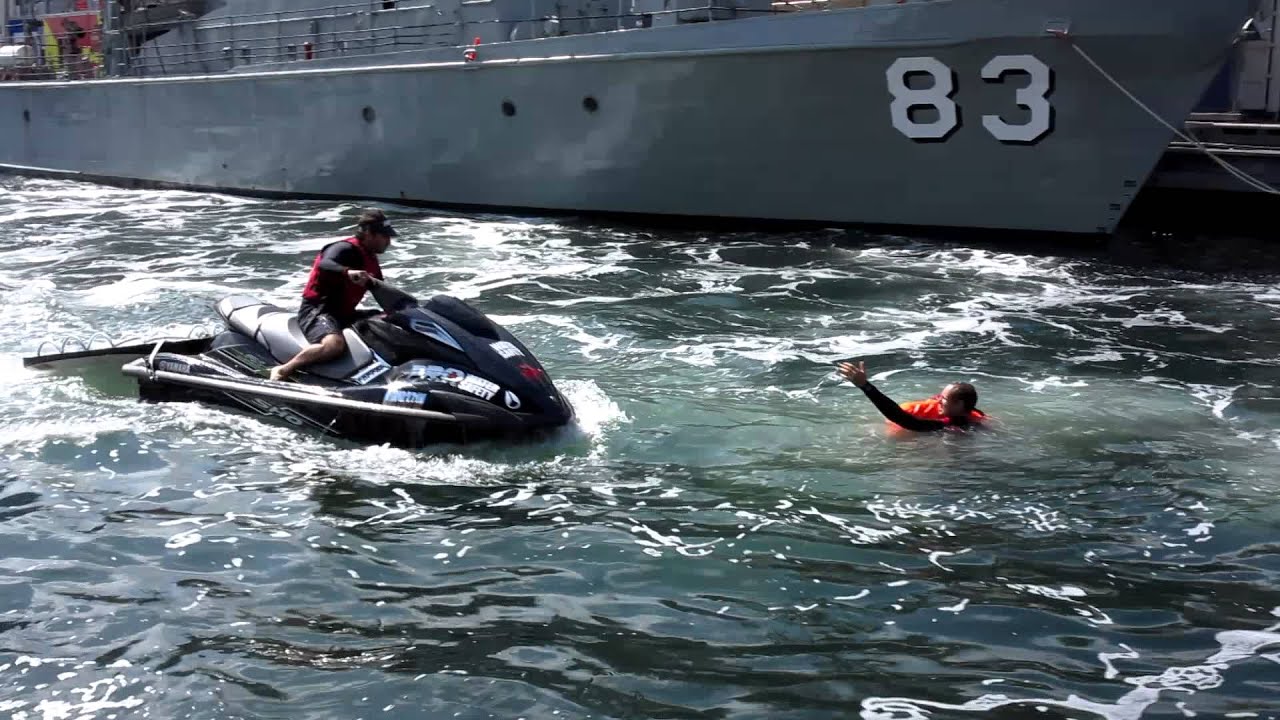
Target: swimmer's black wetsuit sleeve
(895,413)
(340,257)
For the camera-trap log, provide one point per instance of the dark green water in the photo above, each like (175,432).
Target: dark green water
(729,533)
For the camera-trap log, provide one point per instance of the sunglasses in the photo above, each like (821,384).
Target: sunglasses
(382,229)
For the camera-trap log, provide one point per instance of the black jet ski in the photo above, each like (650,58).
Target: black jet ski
(416,374)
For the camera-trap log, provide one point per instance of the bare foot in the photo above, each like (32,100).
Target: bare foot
(278,374)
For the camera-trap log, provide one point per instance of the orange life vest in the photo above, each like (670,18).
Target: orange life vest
(931,409)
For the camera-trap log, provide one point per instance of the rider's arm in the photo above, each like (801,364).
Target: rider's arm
(341,257)
(896,414)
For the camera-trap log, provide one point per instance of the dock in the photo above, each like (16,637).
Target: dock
(1189,191)
(1238,122)
(1253,147)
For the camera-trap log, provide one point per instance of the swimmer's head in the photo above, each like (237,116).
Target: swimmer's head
(958,399)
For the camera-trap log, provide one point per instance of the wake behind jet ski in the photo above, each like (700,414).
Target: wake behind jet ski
(417,373)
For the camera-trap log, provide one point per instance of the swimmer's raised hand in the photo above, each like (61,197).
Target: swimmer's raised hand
(856,374)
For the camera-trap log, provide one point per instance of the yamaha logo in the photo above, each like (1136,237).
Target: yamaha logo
(511,400)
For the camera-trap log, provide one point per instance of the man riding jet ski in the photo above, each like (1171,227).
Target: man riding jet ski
(415,374)
(335,287)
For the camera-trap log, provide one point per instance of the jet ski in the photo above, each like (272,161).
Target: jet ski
(415,374)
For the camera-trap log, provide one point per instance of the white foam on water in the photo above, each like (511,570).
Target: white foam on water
(1106,658)
(1241,644)
(1235,646)
(657,541)
(1171,319)
(1053,381)
(33,434)
(1217,398)
(977,320)
(935,554)
(591,345)
(597,413)
(1066,592)
(137,288)
(94,698)
(571,302)
(18,290)
(853,532)
(305,457)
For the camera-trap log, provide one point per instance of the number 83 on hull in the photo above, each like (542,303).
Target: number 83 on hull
(1027,129)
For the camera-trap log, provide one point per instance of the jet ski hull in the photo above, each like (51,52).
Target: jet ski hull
(454,376)
(231,373)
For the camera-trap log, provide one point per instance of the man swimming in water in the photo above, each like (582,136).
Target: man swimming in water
(954,407)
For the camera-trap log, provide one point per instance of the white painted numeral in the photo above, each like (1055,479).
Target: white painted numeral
(938,96)
(1034,97)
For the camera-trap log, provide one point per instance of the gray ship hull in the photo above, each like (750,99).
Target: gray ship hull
(790,117)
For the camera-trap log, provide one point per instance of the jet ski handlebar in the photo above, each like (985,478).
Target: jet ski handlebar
(389,297)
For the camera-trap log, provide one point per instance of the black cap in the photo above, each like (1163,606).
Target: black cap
(375,221)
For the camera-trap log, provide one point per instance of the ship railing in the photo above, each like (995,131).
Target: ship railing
(803,5)
(286,48)
(194,56)
(371,6)
(57,56)
(68,55)
(188,57)
(374,6)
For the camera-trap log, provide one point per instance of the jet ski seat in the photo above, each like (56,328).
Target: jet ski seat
(277,329)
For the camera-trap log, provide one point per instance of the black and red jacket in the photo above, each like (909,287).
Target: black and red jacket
(332,289)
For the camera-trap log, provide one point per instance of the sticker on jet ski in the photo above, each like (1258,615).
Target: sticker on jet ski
(506,349)
(479,387)
(530,372)
(193,366)
(511,400)
(173,366)
(371,372)
(405,398)
(435,373)
(473,384)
